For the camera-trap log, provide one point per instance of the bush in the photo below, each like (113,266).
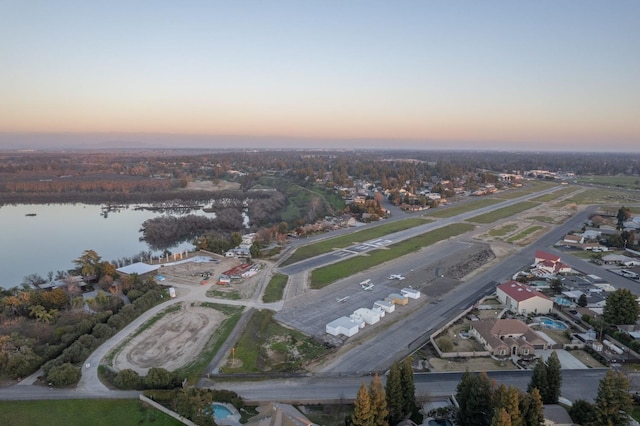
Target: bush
(159,378)
(103,331)
(64,375)
(128,379)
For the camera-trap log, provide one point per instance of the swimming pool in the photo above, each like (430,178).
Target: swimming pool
(220,411)
(550,323)
(434,422)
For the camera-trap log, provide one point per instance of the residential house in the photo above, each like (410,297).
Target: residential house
(276,414)
(505,337)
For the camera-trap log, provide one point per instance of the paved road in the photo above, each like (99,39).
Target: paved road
(576,384)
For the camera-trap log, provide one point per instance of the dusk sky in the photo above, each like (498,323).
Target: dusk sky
(519,75)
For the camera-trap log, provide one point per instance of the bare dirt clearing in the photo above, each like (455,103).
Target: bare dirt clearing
(172,342)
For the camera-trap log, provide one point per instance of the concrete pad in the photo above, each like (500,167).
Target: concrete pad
(567,360)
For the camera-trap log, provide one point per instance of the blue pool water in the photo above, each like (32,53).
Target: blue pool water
(549,323)
(220,411)
(434,422)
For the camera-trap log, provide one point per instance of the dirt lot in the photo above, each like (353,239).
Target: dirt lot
(177,338)
(471,364)
(172,342)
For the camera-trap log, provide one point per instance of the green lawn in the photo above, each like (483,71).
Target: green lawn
(463,208)
(503,212)
(324,276)
(275,288)
(325,246)
(81,412)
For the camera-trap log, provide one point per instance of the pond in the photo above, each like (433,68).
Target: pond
(38,238)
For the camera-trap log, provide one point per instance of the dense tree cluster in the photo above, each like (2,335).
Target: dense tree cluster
(547,378)
(611,406)
(51,328)
(481,403)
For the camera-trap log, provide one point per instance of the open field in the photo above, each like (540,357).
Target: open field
(207,185)
(463,208)
(81,412)
(267,346)
(603,196)
(326,275)
(503,230)
(173,341)
(629,182)
(503,213)
(511,194)
(555,195)
(275,288)
(524,234)
(326,246)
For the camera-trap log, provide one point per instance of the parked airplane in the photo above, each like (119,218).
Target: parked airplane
(342,299)
(367,286)
(396,277)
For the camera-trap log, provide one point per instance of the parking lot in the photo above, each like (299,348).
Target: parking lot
(432,271)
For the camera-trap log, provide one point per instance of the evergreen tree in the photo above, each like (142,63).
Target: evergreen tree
(475,399)
(582,412)
(621,307)
(539,378)
(362,413)
(395,402)
(408,387)
(508,398)
(378,402)
(554,379)
(613,400)
(534,415)
(501,418)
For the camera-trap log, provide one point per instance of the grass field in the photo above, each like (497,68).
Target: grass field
(324,276)
(546,219)
(325,246)
(275,288)
(511,194)
(503,212)
(524,234)
(231,295)
(463,208)
(602,196)
(266,346)
(554,195)
(81,412)
(629,182)
(503,230)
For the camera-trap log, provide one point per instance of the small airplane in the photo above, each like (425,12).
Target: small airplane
(342,299)
(396,277)
(367,286)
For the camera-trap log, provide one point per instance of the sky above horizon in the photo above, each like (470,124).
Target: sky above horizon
(409,74)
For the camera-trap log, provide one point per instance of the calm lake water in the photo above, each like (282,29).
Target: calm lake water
(60,233)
